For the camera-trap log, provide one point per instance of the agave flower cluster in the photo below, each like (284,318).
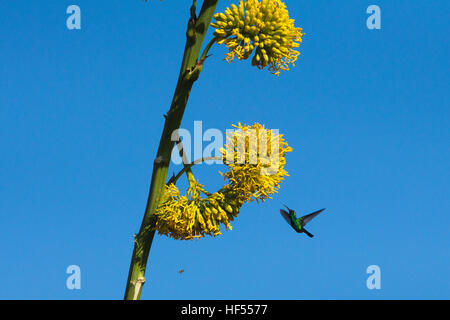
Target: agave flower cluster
(254,173)
(191,216)
(263,27)
(255,157)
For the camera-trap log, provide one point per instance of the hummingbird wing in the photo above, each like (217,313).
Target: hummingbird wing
(286,216)
(310,216)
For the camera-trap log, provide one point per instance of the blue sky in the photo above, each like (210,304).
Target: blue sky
(366,112)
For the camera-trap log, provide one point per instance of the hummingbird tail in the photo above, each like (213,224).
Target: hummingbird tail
(307,233)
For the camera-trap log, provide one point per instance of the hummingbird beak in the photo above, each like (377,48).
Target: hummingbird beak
(287,207)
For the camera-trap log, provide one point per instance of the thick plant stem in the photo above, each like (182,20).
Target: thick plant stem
(189,73)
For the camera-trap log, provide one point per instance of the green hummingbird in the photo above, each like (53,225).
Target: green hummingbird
(299,224)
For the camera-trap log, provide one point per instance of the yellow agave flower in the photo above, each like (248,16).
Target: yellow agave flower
(190,216)
(255,157)
(256,169)
(261,26)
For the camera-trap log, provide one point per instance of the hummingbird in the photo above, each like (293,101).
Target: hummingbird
(299,224)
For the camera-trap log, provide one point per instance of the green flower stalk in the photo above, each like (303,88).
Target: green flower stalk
(190,70)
